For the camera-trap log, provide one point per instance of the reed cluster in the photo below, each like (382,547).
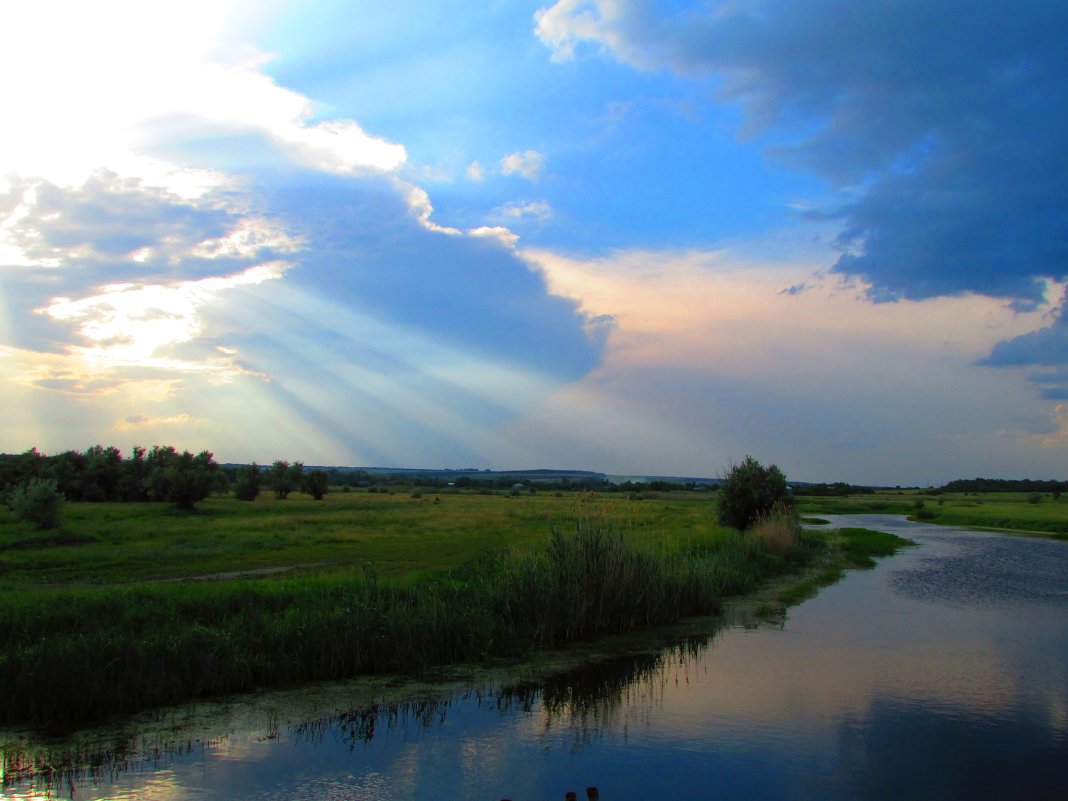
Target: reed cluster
(71,655)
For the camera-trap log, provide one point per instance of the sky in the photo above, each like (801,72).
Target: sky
(631,236)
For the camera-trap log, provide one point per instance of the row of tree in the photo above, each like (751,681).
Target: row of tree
(102,473)
(1004,485)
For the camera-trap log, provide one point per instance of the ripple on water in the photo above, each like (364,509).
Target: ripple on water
(989,571)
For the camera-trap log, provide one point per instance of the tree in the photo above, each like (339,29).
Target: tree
(316,483)
(284,477)
(749,492)
(38,502)
(247,486)
(134,474)
(180,478)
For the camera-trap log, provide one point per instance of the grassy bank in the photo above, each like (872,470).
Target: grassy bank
(83,642)
(1028,513)
(848,548)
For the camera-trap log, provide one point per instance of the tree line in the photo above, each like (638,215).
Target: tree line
(1004,485)
(162,473)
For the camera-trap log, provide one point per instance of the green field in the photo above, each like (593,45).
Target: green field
(112,543)
(1006,511)
(117,610)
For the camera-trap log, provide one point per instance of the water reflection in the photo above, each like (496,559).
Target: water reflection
(941,674)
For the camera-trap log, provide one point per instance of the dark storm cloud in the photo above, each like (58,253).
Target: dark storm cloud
(1045,348)
(943,123)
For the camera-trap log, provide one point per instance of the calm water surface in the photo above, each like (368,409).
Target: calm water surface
(941,674)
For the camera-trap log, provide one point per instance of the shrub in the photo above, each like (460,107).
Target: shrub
(749,492)
(779,530)
(317,483)
(180,478)
(248,483)
(1034,498)
(38,502)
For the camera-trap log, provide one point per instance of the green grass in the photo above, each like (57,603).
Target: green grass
(849,548)
(1008,511)
(859,546)
(91,625)
(399,534)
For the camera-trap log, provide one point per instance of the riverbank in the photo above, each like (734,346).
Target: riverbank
(101,749)
(77,653)
(1028,514)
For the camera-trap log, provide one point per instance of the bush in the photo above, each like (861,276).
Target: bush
(317,483)
(750,491)
(181,478)
(248,483)
(38,502)
(779,530)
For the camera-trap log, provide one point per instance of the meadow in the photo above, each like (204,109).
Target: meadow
(400,533)
(106,615)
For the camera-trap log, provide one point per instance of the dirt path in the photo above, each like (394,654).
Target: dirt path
(232,574)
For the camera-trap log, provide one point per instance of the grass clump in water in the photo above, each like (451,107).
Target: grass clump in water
(860,545)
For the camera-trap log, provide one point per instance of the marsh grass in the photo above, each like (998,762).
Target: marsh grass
(82,653)
(779,530)
(861,545)
(850,548)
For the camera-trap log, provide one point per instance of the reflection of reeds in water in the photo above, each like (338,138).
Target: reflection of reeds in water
(360,725)
(587,701)
(56,770)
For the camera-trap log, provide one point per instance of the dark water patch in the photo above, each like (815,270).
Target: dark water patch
(988,571)
(910,748)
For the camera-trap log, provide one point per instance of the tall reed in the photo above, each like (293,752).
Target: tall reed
(74,655)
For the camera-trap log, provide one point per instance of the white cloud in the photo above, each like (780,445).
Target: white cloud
(538,210)
(498,232)
(130,325)
(245,240)
(529,164)
(117,84)
(475,171)
(419,202)
(567,22)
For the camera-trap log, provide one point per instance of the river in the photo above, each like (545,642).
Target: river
(940,674)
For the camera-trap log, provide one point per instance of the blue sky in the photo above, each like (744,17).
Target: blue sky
(637,237)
